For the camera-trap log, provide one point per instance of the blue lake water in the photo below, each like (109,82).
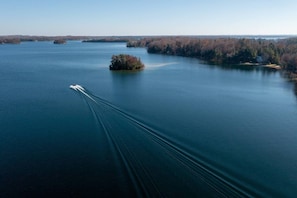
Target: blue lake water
(179,128)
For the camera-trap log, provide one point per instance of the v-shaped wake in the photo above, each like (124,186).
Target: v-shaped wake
(144,182)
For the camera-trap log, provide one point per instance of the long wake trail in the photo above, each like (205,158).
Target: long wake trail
(142,180)
(118,148)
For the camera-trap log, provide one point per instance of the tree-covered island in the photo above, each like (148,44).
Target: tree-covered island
(125,62)
(59,41)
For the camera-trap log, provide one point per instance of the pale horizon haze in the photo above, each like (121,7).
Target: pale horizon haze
(148,17)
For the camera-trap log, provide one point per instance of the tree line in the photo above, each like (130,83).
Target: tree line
(281,52)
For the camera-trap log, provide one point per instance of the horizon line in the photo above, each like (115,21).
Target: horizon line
(161,35)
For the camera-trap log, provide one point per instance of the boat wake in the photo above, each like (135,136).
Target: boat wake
(157,65)
(141,152)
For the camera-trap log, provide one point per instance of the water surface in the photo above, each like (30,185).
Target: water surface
(178,128)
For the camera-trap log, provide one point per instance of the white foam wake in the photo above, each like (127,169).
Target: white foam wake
(156,65)
(76,87)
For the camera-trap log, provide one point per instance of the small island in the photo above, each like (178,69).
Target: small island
(125,62)
(60,41)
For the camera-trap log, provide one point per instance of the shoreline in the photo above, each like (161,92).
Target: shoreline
(271,66)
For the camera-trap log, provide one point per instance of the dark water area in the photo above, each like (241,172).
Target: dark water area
(179,128)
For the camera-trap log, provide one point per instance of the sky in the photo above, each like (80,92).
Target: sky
(148,17)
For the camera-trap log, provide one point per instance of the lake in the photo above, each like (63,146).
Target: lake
(179,128)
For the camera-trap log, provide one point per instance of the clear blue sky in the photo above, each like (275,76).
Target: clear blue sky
(148,17)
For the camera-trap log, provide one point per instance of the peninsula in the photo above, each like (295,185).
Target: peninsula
(125,62)
(275,54)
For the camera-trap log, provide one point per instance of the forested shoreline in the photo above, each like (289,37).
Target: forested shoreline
(282,52)
(17,39)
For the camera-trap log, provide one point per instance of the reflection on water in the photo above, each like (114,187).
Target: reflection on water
(295,89)
(264,71)
(247,68)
